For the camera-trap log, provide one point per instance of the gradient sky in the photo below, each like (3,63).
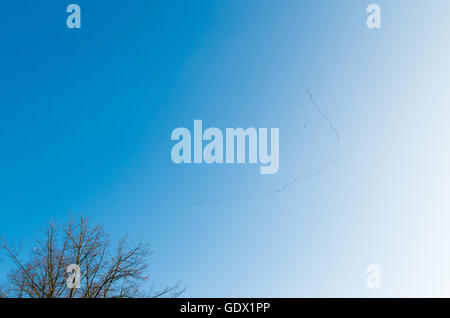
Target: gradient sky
(86,117)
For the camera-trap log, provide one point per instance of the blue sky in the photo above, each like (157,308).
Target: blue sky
(86,117)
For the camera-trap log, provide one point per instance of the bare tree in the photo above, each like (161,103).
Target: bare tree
(100,269)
